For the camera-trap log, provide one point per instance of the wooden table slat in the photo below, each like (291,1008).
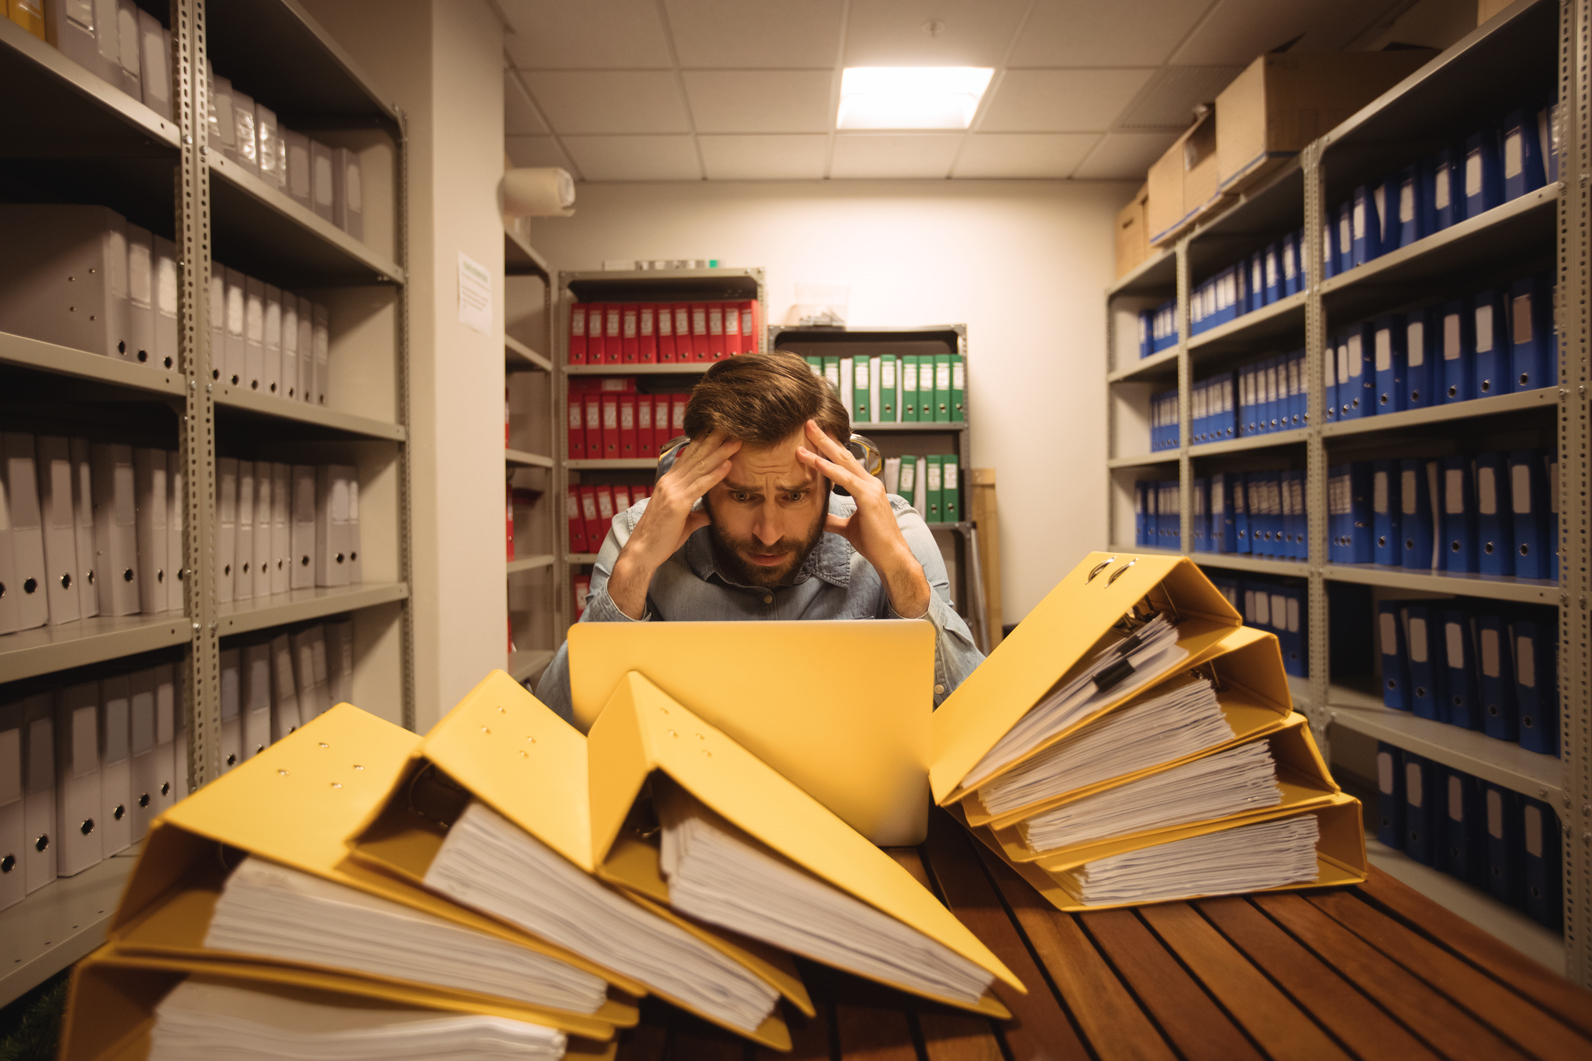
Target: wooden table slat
(693,1039)
(1543,986)
(1449,1030)
(1039,1027)
(1314,986)
(952,1036)
(873,1033)
(809,1036)
(644,1042)
(1491,1002)
(1272,1020)
(1111,1018)
(1196,1026)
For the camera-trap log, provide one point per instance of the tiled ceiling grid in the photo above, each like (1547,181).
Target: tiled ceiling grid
(671,90)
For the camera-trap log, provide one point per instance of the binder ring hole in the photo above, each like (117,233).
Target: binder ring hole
(66,581)
(1525,550)
(120,812)
(30,586)
(42,843)
(8,863)
(87,826)
(1099,568)
(143,800)
(1119,572)
(90,582)
(165,788)
(143,355)
(1488,548)
(1454,546)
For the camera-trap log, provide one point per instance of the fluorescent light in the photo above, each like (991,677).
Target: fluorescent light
(911,97)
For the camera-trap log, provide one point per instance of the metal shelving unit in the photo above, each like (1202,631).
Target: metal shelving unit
(1514,56)
(80,139)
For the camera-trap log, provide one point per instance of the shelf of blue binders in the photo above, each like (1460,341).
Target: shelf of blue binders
(1501,841)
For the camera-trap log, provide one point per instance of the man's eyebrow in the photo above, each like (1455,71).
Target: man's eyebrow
(741,488)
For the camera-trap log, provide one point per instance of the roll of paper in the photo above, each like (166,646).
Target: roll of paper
(541,192)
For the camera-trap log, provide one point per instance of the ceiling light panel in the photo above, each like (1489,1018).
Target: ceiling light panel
(590,34)
(737,35)
(882,97)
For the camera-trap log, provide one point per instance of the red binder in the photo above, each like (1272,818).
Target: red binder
(665,333)
(577,427)
(628,443)
(677,404)
(732,329)
(589,516)
(699,332)
(596,345)
(622,499)
(577,334)
(749,332)
(716,349)
(638,493)
(630,334)
(683,351)
(646,440)
(577,524)
(509,505)
(647,333)
(594,425)
(610,407)
(662,422)
(582,588)
(506,436)
(605,510)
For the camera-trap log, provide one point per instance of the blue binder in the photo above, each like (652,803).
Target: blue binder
(1464,834)
(1418,523)
(1523,170)
(1495,678)
(1201,523)
(1290,628)
(1238,504)
(1537,685)
(1146,340)
(1298,391)
(1457,343)
(1491,331)
(1390,795)
(1257,280)
(1462,695)
(1329,380)
(1386,513)
(1365,226)
(1357,388)
(1460,554)
(1395,663)
(1140,513)
(1423,640)
(1448,189)
(1533,340)
(1528,504)
(1288,263)
(1548,137)
(1349,518)
(1221,513)
(1406,220)
(1387,344)
(1343,237)
(1544,873)
(1495,526)
(1240,273)
(1420,354)
(1484,184)
(1422,799)
(1505,849)
(1271,259)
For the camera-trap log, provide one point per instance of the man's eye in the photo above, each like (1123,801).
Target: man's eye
(797,495)
(741,495)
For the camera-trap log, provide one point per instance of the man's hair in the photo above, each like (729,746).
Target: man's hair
(764,398)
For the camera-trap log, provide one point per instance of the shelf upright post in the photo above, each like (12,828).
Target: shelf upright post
(201,705)
(1575,452)
(1185,406)
(1315,445)
(560,299)
(406,464)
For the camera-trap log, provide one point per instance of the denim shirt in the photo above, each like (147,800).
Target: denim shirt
(834,582)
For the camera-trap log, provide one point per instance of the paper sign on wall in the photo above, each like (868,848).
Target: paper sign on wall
(475,295)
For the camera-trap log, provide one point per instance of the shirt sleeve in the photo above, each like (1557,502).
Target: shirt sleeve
(955,654)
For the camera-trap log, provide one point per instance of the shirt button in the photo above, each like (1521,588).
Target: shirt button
(768,598)
(938,689)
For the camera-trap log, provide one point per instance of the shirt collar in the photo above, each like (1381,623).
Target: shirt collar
(829,561)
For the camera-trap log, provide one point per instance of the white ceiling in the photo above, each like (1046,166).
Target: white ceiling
(668,90)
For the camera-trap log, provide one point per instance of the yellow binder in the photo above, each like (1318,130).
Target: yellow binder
(506,748)
(1302,775)
(294,803)
(1061,632)
(110,1007)
(1251,687)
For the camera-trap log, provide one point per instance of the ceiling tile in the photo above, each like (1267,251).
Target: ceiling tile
(734,34)
(883,156)
(610,102)
(1124,156)
(591,34)
(1237,31)
(891,32)
(1020,155)
(1059,101)
(1168,101)
(761,158)
(635,158)
(760,101)
(535,151)
(519,114)
(1089,33)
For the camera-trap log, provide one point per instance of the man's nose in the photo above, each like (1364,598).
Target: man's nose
(767,528)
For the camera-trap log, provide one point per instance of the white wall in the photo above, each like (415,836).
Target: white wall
(1024,264)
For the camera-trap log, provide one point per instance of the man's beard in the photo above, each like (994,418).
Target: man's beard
(727,553)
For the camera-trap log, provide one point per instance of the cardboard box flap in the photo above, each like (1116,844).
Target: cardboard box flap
(642,730)
(1055,637)
(1245,661)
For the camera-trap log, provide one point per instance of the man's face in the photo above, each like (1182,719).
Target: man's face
(767,514)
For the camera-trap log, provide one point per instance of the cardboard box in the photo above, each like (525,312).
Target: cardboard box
(1285,100)
(1133,241)
(1184,182)
(1200,167)
(1163,214)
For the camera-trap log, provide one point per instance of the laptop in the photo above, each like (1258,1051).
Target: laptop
(840,707)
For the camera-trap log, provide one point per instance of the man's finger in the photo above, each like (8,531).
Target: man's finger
(847,477)
(834,524)
(707,480)
(834,450)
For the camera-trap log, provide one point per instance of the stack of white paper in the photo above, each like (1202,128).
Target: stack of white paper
(1166,724)
(720,875)
(492,865)
(1231,782)
(201,1021)
(276,912)
(1246,859)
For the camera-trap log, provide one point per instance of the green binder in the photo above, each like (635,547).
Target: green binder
(950,489)
(861,413)
(832,372)
(958,388)
(909,389)
(817,365)
(889,387)
(934,488)
(909,478)
(940,407)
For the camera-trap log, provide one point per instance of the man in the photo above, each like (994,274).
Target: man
(745,526)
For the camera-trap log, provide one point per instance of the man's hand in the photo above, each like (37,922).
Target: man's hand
(669,519)
(872,530)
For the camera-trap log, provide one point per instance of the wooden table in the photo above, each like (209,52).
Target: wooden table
(1376,971)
